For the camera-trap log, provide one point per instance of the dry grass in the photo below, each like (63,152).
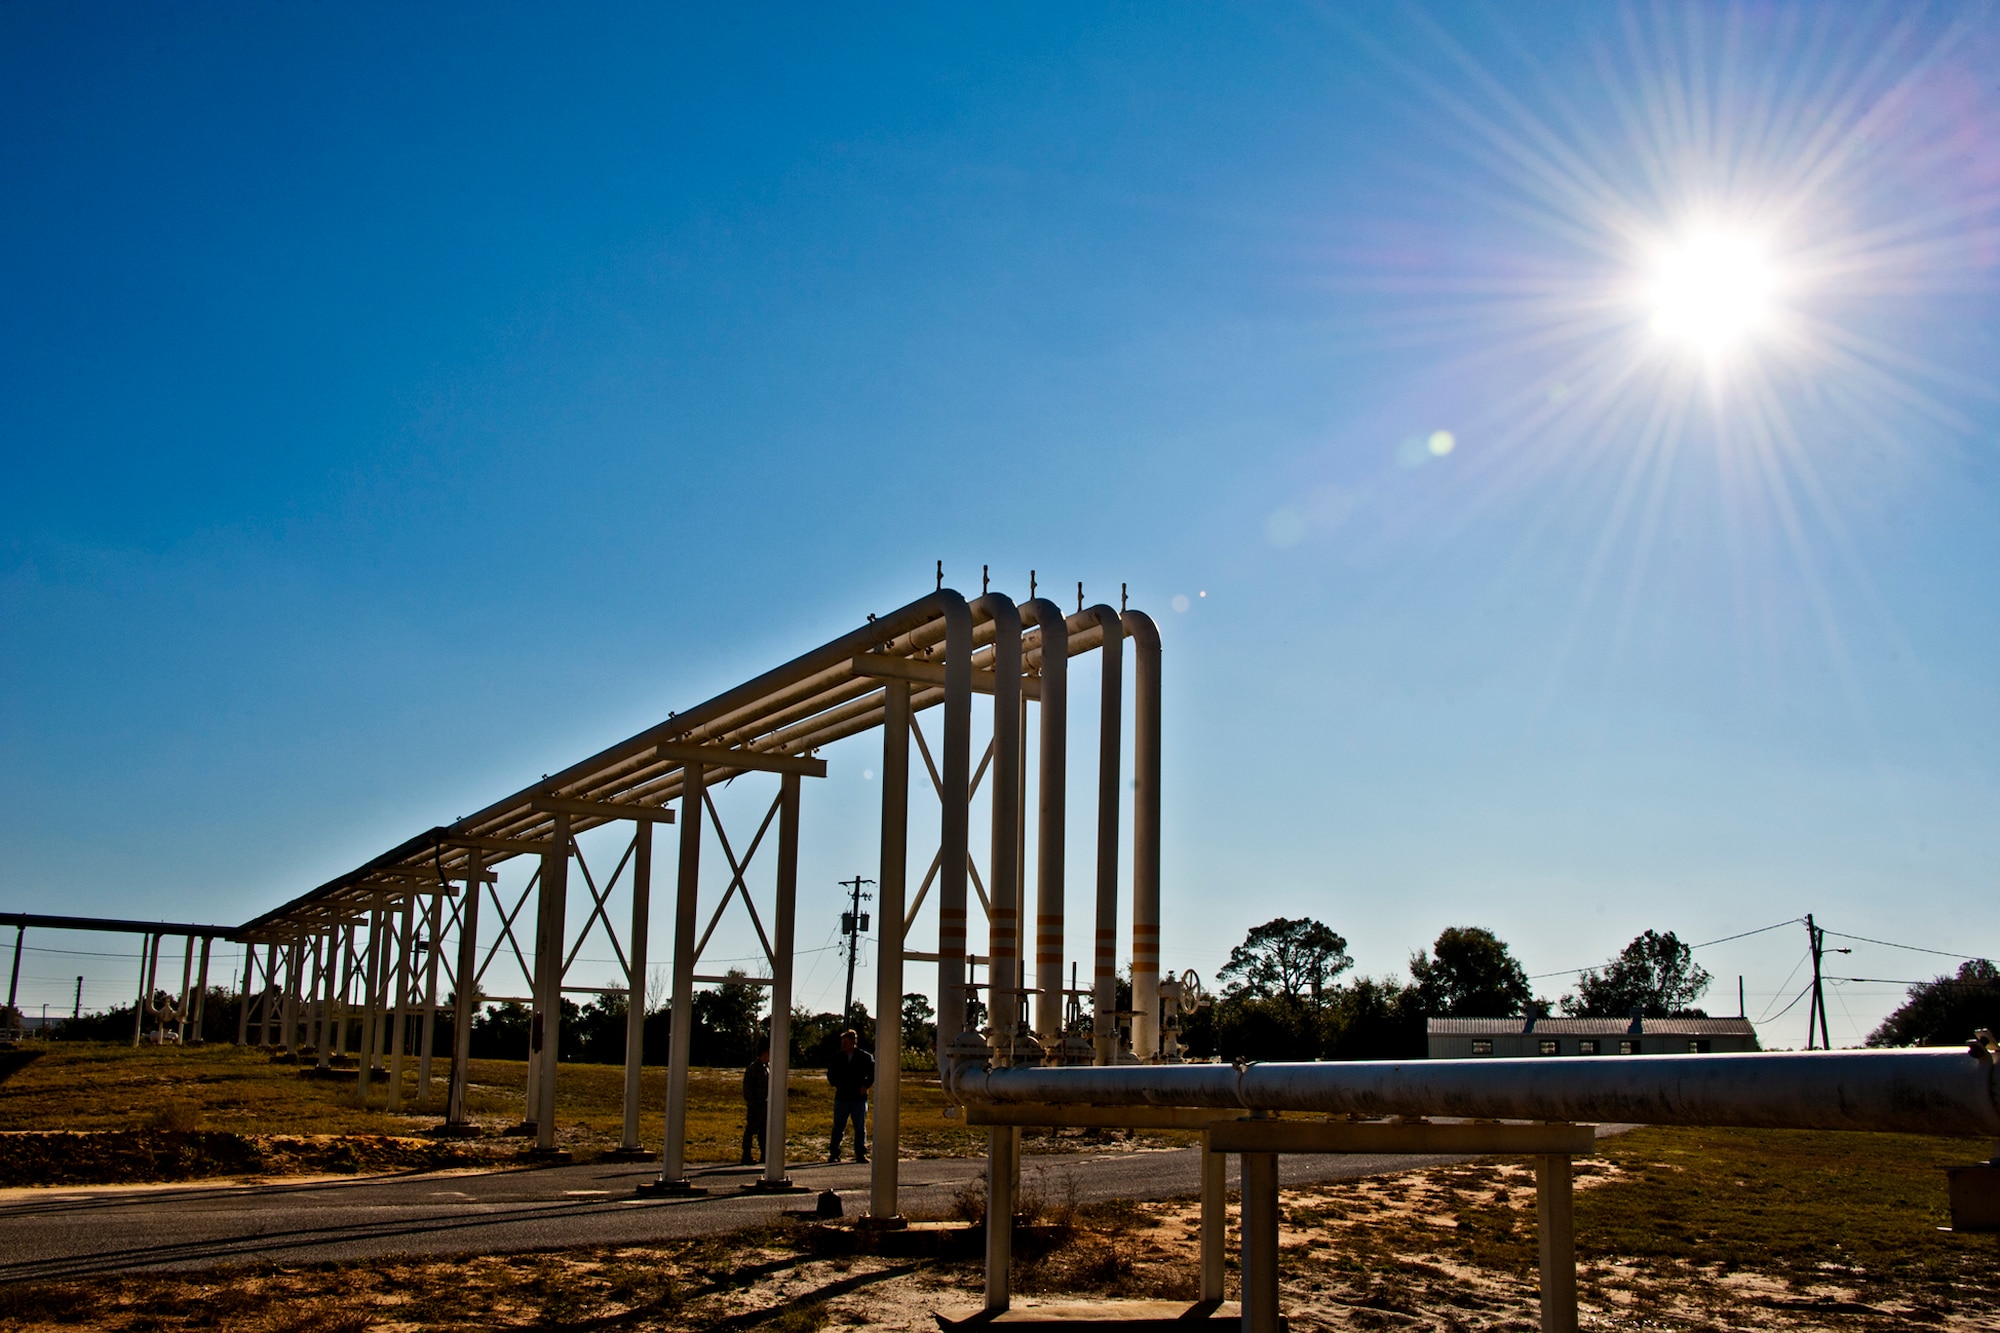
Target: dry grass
(87,1086)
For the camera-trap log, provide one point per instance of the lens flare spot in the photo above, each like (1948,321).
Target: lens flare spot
(1181,602)
(1712,291)
(1441,443)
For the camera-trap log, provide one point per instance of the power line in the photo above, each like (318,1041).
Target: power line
(1786,982)
(1748,933)
(1888,944)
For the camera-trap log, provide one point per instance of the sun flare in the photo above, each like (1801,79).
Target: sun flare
(1712,292)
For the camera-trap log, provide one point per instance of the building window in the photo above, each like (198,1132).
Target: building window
(1628,1048)
(1588,1046)
(1697,1046)
(1482,1047)
(1549,1047)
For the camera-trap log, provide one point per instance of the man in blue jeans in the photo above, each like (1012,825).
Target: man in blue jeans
(852,1074)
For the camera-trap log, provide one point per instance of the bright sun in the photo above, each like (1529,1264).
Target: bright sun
(1711,292)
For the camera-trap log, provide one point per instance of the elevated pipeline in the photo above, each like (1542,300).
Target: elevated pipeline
(1906,1091)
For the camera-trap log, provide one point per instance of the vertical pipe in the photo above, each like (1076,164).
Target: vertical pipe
(147,944)
(433,923)
(673,1152)
(201,993)
(243,1000)
(891,889)
(1004,935)
(464,999)
(783,948)
(1051,795)
(635,979)
(270,1004)
(554,903)
(365,1052)
(954,820)
(1260,1242)
(400,1027)
(316,951)
(1000,1143)
(1214,1218)
(1110,726)
(1556,1233)
(1145,636)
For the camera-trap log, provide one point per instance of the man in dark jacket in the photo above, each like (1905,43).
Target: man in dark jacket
(852,1074)
(756,1102)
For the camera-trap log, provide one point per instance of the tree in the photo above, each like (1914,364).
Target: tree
(919,1023)
(1286,959)
(726,1031)
(1470,974)
(1945,1011)
(1371,1019)
(1655,975)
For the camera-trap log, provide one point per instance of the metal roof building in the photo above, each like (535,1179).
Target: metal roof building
(1469,1038)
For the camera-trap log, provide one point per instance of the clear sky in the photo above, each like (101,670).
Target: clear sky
(1569,430)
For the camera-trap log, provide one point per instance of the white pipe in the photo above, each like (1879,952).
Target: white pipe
(1905,1091)
(1052,798)
(1145,636)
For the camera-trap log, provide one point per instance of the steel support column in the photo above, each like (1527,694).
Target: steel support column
(635,978)
(243,1000)
(782,945)
(400,1025)
(288,1005)
(14,981)
(333,949)
(345,933)
(433,925)
(201,993)
(370,970)
(464,988)
(270,992)
(1001,1157)
(1214,1219)
(673,1151)
(149,947)
(891,889)
(1556,1236)
(547,1043)
(1260,1242)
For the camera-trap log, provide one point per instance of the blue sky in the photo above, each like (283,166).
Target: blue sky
(400,403)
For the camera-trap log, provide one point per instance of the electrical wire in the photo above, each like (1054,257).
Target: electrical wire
(1803,958)
(1889,944)
(1788,1008)
(1748,933)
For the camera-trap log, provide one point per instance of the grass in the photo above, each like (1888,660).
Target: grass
(90,1086)
(1688,1231)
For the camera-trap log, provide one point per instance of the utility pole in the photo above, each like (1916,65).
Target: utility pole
(853,922)
(1816,940)
(1817,1013)
(79,999)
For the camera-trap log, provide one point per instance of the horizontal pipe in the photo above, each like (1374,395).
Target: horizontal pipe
(1906,1091)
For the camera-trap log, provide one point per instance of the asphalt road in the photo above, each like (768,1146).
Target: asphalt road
(52,1233)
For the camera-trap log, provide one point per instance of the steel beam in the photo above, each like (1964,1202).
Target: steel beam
(464,984)
(673,1150)
(552,900)
(744,761)
(892,875)
(652,814)
(777,1103)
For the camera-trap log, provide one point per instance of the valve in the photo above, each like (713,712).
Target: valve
(1179,996)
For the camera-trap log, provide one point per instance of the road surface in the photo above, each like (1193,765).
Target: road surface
(55,1233)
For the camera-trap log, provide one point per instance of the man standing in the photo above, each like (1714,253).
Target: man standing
(852,1074)
(756,1102)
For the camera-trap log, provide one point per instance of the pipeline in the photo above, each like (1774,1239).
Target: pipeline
(1905,1091)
